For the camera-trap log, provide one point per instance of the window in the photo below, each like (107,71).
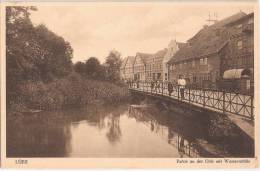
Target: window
(201,61)
(205,61)
(239,44)
(248,84)
(194,78)
(193,63)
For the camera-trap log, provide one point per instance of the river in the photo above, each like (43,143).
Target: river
(126,130)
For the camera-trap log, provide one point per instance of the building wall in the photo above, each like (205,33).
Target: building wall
(239,52)
(148,69)
(139,69)
(154,68)
(122,73)
(200,72)
(171,50)
(129,71)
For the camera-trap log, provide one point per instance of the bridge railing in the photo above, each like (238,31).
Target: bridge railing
(220,101)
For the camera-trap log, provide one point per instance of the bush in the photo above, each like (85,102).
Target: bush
(71,91)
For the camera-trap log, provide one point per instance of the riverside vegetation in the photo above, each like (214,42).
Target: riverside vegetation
(40,72)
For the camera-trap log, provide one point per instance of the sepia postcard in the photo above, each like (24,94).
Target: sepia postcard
(130,84)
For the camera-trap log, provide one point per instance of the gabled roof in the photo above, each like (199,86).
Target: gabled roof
(219,24)
(208,40)
(123,62)
(130,59)
(240,19)
(143,56)
(160,53)
(181,44)
(230,19)
(126,60)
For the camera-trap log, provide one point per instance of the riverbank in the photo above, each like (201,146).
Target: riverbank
(71,91)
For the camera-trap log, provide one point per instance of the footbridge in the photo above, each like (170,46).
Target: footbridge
(237,106)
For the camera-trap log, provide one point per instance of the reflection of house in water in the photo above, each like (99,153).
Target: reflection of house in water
(184,145)
(105,118)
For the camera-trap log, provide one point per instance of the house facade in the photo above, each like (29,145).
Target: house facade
(154,66)
(122,69)
(237,62)
(139,66)
(172,48)
(199,61)
(127,69)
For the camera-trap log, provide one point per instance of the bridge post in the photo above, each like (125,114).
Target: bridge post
(178,91)
(224,108)
(189,94)
(204,96)
(162,87)
(252,107)
(151,87)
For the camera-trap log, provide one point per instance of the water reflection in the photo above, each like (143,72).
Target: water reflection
(185,147)
(114,131)
(111,131)
(38,140)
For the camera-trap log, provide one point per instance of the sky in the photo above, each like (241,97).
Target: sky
(94,29)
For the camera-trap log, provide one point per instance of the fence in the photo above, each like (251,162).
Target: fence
(219,101)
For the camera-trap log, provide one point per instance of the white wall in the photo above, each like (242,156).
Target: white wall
(171,50)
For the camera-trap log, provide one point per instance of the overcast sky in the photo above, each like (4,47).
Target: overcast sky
(93,29)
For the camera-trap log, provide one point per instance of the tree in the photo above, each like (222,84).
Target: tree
(19,53)
(90,69)
(79,67)
(93,67)
(56,60)
(113,63)
(32,53)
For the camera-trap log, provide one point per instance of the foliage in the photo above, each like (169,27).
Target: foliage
(72,91)
(113,63)
(32,53)
(90,69)
(40,72)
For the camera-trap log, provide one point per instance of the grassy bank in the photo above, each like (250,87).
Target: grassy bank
(72,91)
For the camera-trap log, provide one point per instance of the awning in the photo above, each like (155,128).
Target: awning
(237,73)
